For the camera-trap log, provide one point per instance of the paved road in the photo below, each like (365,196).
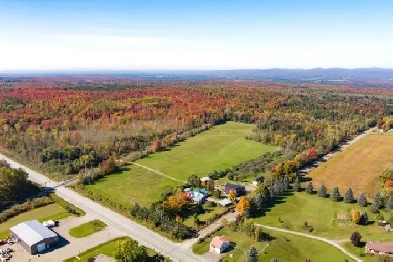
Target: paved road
(146,237)
(328,241)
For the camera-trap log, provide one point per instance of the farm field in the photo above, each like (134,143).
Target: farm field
(295,249)
(52,211)
(219,148)
(107,248)
(137,185)
(358,166)
(321,214)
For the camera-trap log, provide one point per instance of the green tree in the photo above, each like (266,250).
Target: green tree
(296,185)
(377,203)
(348,196)
(335,195)
(194,181)
(364,219)
(389,204)
(362,199)
(209,185)
(258,234)
(286,183)
(322,191)
(263,190)
(309,188)
(129,250)
(252,255)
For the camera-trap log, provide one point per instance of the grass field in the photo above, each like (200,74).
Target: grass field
(137,185)
(209,214)
(87,229)
(358,166)
(107,248)
(216,149)
(295,249)
(321,214)
(52,211)
(221,147)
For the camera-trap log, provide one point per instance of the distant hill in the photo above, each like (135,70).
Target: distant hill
(358,76)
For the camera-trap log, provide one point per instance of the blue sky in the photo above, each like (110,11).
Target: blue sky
(47,34)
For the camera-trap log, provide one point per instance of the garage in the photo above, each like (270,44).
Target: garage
(34,237)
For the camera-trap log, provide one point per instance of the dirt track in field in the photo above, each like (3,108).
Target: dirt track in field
(358,166)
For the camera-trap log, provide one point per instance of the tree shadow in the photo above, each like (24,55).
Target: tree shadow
(267,207)
(232,246)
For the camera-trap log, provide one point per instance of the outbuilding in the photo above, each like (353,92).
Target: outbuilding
(34,236)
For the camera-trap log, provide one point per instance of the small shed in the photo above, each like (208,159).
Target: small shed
(34,237)
(205,178)
(224,202)
(258,180)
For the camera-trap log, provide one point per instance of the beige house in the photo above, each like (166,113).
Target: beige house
(379,248)
(219,244)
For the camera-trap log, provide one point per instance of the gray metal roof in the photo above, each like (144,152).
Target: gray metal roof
(32,232)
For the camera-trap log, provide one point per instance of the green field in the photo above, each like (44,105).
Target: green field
(217,149)
(136,185)
(107,248)
(52,211)
(295,248)
(321,214)
(210,212)
(87,229)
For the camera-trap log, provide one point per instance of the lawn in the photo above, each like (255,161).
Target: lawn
(87,229)
(210,212)
(137,185)
(293,248)
(358,166)
(217,149)
(52,211)
(321,214)
(107,248)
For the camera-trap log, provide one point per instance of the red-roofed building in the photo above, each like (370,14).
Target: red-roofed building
(219,244)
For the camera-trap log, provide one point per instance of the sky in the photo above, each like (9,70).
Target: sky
(202,34)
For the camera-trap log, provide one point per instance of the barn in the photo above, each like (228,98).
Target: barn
(34,237)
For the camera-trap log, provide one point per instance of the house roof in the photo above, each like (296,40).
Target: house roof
(224,202)
(380,247)
(205,178)
(233,186)
(217,241)
(342,216)
(260,179)
(32,232)
(200,191)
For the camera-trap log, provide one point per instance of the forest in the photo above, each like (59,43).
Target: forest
(68,124)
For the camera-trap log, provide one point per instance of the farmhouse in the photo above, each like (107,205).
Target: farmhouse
(240,190)
(34,237)
(258,180)
(379,248)
(197,195)
(205,178)
(219,244)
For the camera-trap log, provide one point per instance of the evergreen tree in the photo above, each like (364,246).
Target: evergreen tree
(296,185)
(309,188)
(364,219)
(389,204)
(377,203)
(258,200)
(286,183)
(322,191)
(252,255)
(362,199)
(335,195)
(348,196)
(380,217)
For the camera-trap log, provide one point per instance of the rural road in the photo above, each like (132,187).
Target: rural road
(331,242)
(307,169)
(146,237)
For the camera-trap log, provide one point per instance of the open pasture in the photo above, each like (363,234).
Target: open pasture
(217,149)
(358,166)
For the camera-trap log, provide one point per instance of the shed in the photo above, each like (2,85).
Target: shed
(224,202)
(205,178)
(34,236)
(258,180)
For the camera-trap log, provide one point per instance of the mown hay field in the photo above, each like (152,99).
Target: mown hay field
(358,166)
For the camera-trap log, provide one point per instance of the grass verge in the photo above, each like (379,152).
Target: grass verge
(87,229)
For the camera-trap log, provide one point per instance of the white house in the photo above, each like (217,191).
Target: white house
(205,178)
(219,244)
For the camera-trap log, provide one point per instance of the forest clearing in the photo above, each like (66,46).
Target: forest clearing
(358,166)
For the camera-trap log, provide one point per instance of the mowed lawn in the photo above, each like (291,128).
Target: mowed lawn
(321,214)
(52,211)
(358,166)
(293,248)
(136,185)
(217,149)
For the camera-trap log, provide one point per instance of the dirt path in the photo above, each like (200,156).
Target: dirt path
(155,171)
(315,164)
(328,241)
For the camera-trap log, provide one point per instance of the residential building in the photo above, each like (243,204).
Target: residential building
(240,190)
(379,248)
(219,244)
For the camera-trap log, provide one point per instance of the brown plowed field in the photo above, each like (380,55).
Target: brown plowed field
(358,166)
